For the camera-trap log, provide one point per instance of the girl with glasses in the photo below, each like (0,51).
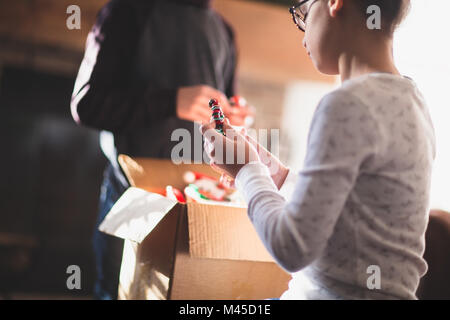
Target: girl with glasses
(352,226)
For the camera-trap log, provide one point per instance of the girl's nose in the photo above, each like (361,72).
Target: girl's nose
(304,43)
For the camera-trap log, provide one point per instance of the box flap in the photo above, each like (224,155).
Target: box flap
(148,173)
(220,232)
(136,214)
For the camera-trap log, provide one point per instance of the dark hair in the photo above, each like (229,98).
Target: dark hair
(392,11)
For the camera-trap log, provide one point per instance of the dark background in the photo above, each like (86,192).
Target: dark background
(52,171)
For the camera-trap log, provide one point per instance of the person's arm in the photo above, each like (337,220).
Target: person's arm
(104,97)
(342,137)
(287,188)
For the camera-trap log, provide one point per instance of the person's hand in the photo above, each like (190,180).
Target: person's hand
(193,105)
(238,116)
(193,102)
(228,153)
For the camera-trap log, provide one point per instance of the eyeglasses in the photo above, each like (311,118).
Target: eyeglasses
(300,13)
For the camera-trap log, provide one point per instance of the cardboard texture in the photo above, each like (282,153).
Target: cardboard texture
(186,251)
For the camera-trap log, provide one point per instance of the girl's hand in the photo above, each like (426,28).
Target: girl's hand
(228,153)
(278,171)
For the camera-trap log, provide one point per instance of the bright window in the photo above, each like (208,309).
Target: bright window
(422,52)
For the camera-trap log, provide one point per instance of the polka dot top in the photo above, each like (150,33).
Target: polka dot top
(351,223)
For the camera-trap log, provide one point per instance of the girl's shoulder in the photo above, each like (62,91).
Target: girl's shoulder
(343,100)
(377,86)
(376,93)
(343,109)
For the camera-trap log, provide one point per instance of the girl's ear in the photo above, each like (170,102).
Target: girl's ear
(335,6)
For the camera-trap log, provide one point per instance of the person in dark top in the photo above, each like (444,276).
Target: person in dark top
(150,67)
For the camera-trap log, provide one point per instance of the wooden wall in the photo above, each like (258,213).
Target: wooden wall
(34,33)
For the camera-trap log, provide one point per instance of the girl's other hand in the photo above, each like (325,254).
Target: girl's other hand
(278,171)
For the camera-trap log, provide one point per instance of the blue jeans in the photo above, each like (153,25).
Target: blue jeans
(107,249)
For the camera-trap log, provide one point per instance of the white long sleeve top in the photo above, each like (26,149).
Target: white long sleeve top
(361,200)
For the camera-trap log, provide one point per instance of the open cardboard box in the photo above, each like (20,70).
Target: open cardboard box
(186,251)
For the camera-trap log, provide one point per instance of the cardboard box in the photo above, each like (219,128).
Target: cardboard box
(186,251)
